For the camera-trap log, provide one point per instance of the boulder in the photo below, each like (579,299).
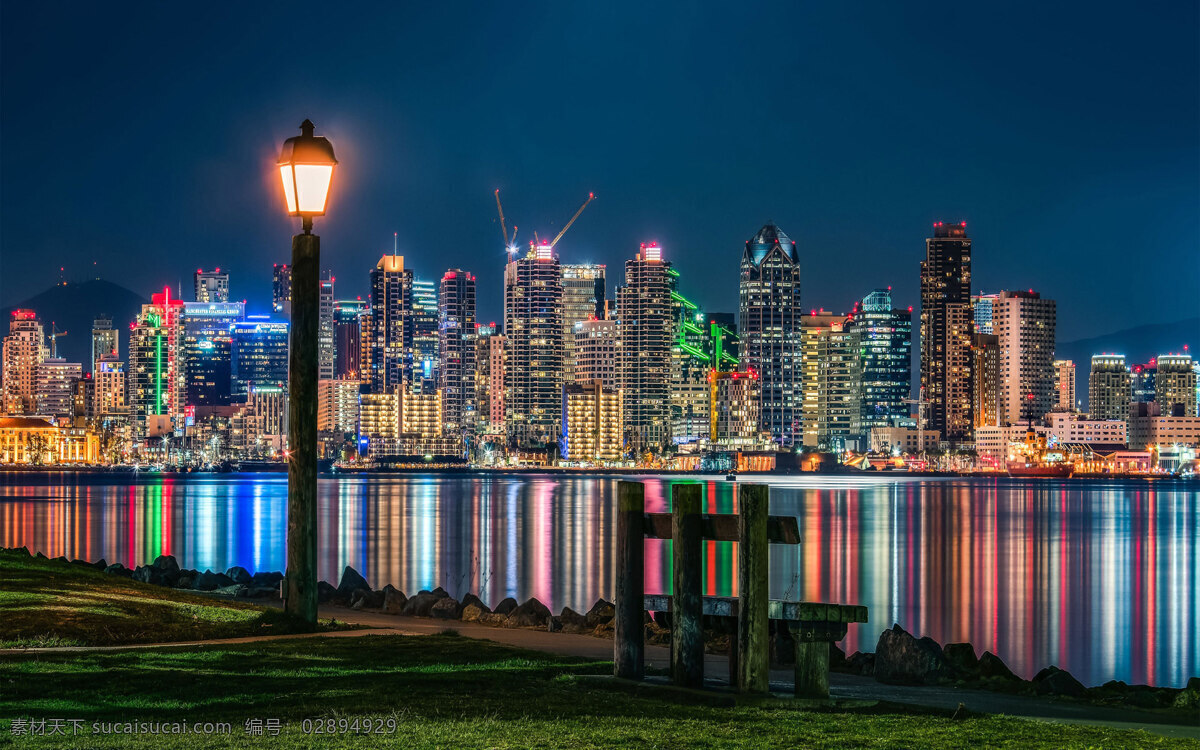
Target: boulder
(439,592)
(100,564)
(393,600)
(184,581)
(601,611)
(837,658)
(420,605)
(267,578)
(531,614)
(506,606)
(150,574)
(210,581)
(40,556)
(470,599)
(117,569)
(1055,681)
(993,666)
(62,559)
(494,619)
(901,659)
(351,582)
(166,563)
(238,574)
(860,663)
(554,624)
(84,563)
(961,658)
(325,591)
(473,613)
(572,621)
(446,608)
(366,599)
(233,589)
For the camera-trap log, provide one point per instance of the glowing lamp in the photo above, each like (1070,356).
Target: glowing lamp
(306,167)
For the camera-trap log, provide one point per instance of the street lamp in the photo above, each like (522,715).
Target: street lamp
(306,166)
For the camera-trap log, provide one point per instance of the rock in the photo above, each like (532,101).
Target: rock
(351,582)
(572,621)
(1189,697)
(262,592)
(150,574)
(366,599)
(473,613)
(837,658)
(325,591)
(61,559)
(238,574)
(494,619)
(1055,681)
(166,563)
(470,599)
(393,600)
(40,556)
(446,608)
(554,624)
(506,606)
(420,605)
(117,569)
(439,592)
(531,614)
(901,659)
(860,663)
(961,658)
(81,562)
(601,611)
(991,665)
(233,589)
(184,581)
(210,581)
(100,564)
(271,578)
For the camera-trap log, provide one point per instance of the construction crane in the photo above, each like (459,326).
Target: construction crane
(54,334)
(591,197)
(510,244)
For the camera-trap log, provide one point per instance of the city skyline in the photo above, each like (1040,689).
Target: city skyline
(1090,190)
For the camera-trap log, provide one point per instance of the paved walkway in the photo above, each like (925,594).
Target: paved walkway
(841,686)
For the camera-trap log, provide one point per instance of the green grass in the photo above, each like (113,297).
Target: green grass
(449,691)
(45,603)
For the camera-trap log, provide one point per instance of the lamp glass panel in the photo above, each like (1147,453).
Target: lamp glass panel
(289,187)
(312,187)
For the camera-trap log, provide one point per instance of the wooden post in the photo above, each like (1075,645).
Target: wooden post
(753,643)
(687,604)
(629,628)
(301,599)
(812,667)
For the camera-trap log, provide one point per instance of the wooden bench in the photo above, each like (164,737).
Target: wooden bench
(813,626)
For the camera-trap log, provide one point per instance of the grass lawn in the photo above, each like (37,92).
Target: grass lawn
(44,603)
(448,691)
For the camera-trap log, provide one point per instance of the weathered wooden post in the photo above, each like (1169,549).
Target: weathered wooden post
(753,642)
(812,664)
(630,629)
(687,603)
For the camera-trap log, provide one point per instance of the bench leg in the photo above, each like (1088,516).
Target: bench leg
(812,668)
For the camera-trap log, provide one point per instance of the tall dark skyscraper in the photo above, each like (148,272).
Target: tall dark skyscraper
(281,289)
(456,349)
(947,323)
(260,355)
(348,360)
(769,295)
(646,317)
(885,343)
(425,336)
(208,351)
(533,366)
(391,324)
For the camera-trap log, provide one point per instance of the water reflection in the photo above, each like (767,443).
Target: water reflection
(1099,577)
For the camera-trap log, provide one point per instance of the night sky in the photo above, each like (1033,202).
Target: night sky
(144,139)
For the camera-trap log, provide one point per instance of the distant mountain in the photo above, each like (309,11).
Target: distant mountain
(74,306)
(1138,344)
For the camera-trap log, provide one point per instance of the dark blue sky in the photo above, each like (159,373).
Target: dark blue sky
(144,137)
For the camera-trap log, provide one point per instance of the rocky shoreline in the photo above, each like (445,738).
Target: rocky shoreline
(899,658)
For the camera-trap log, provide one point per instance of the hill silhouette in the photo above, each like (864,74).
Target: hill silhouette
(1138,344)
(74,306)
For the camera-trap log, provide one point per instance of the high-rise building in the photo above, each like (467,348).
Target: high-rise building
(947,323)
(208,351)
(769,297)
(691,361)
(326,351)
(1064,385)
(1024,322)
(583,290)
(156,376)
(597,352)
(1108,387)
(985,353)
(984,312)
(885,338)
(733,408)
(489,379)
(281,290)
(425,335)
(421,413)
(83,396)
(591,422)
(260,355)
(647,326)
(24,350)
(378,423)
(1141,382)
(391,324)
(533,366)
(815,326)
(1175,385)
(211,286)
(337,406)
(456,348)
(348,361)
(55,387)
(839,387)
(110,385)
(104,338)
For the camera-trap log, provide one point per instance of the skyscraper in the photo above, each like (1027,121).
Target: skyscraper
(208,351)
(260,355)
(1108,387)
(155,377)
(985,353)
(391,324)
(815,326)
(647,326)
(425,336)
(348,362)
(533,367)
(1141,382)
(211,286)
(24,350)
(55,386)
(769,297)
(325,343)
(885,341)
(583,298)
(1064,385)
(1025,324)
(839,386)
(597,352)
(946,327)
(104,338)
(1175,385)
(110,385)
(281,289)
(456,348)
(489,379)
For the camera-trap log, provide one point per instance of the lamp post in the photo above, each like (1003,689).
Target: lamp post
(306,167)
